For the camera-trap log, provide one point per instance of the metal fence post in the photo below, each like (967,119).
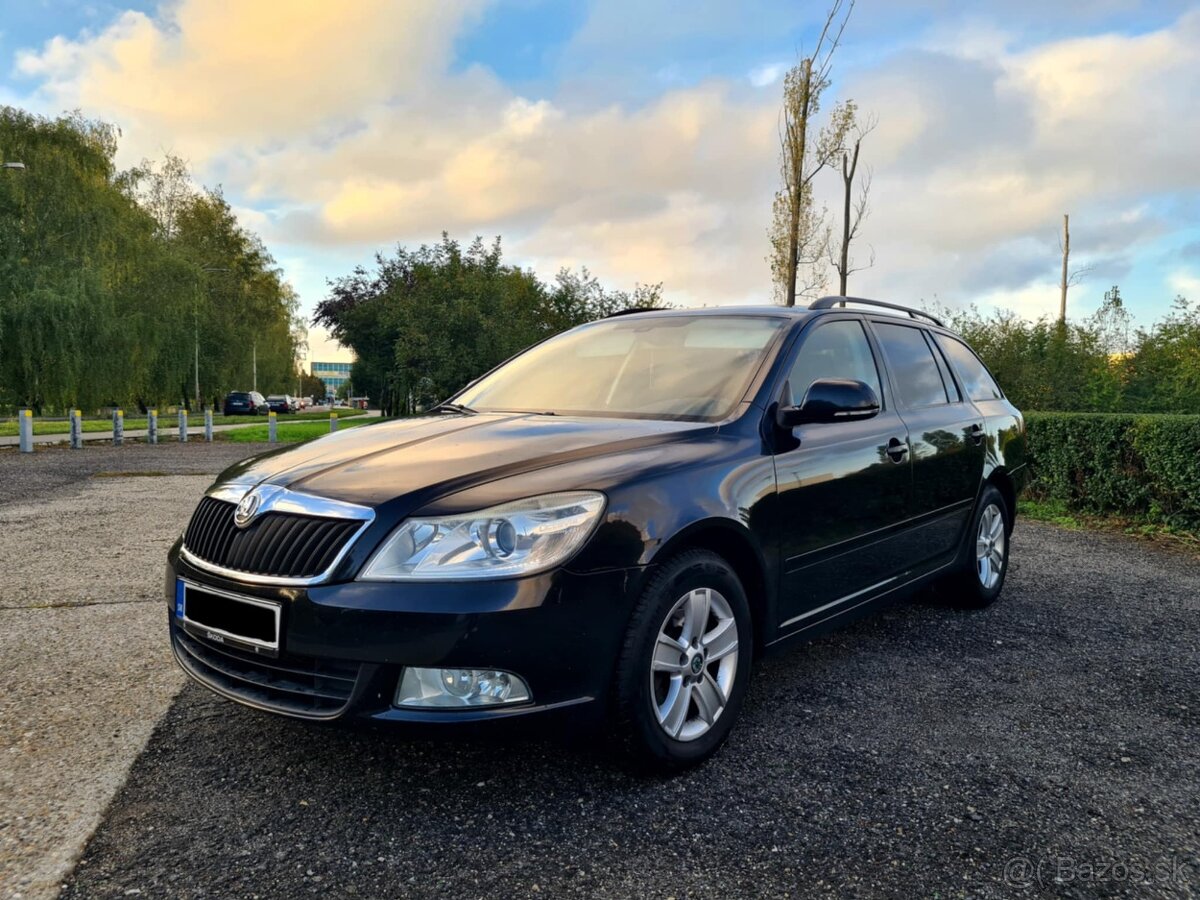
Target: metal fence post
(272,427)
(152,426)
(333,421)
(118,427)
(76,429)
(26,431)
(208,425)
(183,426)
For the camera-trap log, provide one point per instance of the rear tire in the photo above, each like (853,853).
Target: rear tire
(685,663)
(980,579)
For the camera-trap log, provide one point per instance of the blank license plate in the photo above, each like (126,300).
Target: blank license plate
(225,618)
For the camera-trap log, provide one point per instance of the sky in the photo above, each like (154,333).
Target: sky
(639,138)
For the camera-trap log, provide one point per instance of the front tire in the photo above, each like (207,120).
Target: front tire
(685,663)
(985,565)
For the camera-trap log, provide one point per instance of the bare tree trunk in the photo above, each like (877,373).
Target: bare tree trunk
(849,165)
(1066,249)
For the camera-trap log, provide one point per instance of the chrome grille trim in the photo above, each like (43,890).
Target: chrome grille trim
(276,499)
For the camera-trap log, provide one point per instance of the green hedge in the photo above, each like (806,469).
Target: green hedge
(1143,466)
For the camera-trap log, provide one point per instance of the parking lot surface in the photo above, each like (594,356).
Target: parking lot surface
(1048,745)
(83,666)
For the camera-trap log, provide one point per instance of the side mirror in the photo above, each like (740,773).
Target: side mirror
(831,400)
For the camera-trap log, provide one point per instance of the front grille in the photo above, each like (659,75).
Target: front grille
(283,545)
(292,684)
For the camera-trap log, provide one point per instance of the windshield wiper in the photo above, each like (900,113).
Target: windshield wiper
(449,406)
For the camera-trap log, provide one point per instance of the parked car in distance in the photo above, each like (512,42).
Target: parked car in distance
(245,403)
(609,527)
(280,403)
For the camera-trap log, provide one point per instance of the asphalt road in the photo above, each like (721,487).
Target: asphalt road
(1046,746)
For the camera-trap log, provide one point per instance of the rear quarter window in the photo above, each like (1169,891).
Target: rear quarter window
(976,379)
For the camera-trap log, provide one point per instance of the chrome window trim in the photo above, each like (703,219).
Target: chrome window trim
(277,498)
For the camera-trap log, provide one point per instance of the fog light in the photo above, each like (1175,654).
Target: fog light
(459,687)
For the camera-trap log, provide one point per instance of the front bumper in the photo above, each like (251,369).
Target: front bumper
(343,647)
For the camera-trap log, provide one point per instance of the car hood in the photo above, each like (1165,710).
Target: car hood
(432,456)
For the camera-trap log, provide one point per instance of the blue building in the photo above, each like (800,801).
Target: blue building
(334,374)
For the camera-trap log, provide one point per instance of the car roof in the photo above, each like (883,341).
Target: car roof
(824,306)
(792,312)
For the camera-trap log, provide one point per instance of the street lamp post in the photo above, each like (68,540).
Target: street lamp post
(196,358)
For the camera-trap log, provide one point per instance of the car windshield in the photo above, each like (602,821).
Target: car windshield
(654,367)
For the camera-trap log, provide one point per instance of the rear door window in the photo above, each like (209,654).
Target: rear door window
(914,369)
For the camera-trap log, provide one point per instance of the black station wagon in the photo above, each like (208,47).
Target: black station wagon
(610,526)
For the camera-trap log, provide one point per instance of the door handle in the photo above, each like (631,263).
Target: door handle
(977,433)
(897,449)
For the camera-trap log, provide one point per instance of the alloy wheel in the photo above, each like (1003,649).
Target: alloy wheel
(694,664)
(990,546)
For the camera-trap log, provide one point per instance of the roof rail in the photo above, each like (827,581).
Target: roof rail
(831,302)
(637,309)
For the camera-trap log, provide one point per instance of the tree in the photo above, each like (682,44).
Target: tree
(109,279)
(312,386)
(853,212)
(164,190)
(798,233)
(1163,371)
(427,321)
(1112,324)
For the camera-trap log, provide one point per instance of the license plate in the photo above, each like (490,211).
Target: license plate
(220,617)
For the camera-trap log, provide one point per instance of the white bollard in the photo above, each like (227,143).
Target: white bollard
(152,426)
(26,430)
(183,426)
(208,425)
(76,429)
(272,427)
(333,421)
(118,427)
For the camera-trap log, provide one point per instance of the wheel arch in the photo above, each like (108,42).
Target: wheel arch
(734,543)
(1003,482)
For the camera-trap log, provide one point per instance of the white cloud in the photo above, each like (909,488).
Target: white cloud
(205,73)
(1185,282)
(767,74)
(346,126)
(977,159)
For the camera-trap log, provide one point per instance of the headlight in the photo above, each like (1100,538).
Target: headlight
(516,538)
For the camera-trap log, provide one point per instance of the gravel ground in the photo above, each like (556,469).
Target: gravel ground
(48,471)
(84,668)
(923,752)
